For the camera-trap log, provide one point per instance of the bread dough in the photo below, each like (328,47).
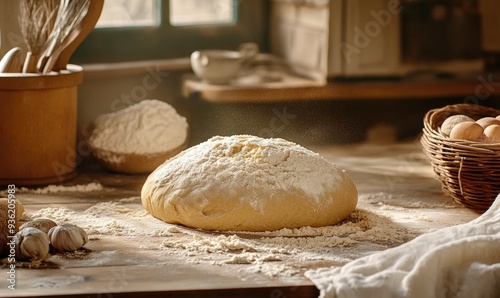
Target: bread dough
(4,223)
(5,215)
(246,183)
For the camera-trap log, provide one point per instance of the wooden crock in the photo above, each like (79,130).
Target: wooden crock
(38,127)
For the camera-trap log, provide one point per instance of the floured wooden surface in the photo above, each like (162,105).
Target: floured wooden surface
(130,251)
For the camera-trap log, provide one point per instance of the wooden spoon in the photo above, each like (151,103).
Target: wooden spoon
(11,61)
(79,34)
(70,14)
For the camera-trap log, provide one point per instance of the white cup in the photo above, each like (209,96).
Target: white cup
(222,66)
(216,66)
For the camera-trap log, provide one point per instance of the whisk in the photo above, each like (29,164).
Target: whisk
(36,19)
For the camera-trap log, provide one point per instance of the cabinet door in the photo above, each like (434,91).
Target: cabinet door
(490,24)
(299,34)
(372,38)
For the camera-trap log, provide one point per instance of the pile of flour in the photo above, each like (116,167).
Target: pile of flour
(149,127)
(90,187)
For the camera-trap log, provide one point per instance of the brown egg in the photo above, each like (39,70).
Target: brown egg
(492,133)
(468,131)
(451,121)
(487,121)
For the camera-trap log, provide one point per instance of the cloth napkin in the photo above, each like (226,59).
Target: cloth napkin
(461,261)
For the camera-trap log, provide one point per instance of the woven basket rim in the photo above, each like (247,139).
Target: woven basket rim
(468,170)
(432,126)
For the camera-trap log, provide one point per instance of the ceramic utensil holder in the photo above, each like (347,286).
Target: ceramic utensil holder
(38,127)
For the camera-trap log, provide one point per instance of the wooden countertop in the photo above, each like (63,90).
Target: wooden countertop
(395,183)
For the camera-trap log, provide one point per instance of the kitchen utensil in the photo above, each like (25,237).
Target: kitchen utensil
(79,34)
(38,127)
(36,20)
(216,66)
(16,64)
(11,61)
(248,51)
(69,15)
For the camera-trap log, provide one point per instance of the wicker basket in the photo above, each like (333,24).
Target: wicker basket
(468,171)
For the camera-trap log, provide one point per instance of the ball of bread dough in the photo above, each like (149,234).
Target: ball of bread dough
(4,248)
(247,183)
(5,215)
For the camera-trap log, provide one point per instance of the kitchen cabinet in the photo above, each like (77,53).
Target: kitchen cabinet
(381,38)
(372,43)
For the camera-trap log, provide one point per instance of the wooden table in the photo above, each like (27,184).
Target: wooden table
(395,183)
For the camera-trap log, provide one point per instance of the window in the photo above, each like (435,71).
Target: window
(128,13)
(199,12)
(157,29)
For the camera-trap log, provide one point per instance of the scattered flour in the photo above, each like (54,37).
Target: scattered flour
(94,186)
(58,281)
(106,218)
(291,249)
(286,252)
(149,127)
(391,201)
(249,258)
(218,244)
(273,270)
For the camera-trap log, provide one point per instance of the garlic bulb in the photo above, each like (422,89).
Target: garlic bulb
(42,224)
(32,244)
(67,237)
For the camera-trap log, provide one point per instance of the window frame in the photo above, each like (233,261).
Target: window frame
(120,44)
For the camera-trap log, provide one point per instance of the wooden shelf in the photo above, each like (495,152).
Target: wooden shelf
(293,87)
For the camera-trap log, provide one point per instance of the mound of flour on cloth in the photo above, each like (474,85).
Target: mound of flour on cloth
(458,261)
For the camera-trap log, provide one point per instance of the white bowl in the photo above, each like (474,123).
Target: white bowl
(216,66)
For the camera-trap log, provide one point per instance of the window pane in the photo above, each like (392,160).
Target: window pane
(129,13)
(196,12)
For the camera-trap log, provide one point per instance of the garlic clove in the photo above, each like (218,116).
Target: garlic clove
(42,224)
(32,244)
(67,237)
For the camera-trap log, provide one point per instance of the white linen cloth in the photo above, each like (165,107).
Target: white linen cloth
(461,261)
